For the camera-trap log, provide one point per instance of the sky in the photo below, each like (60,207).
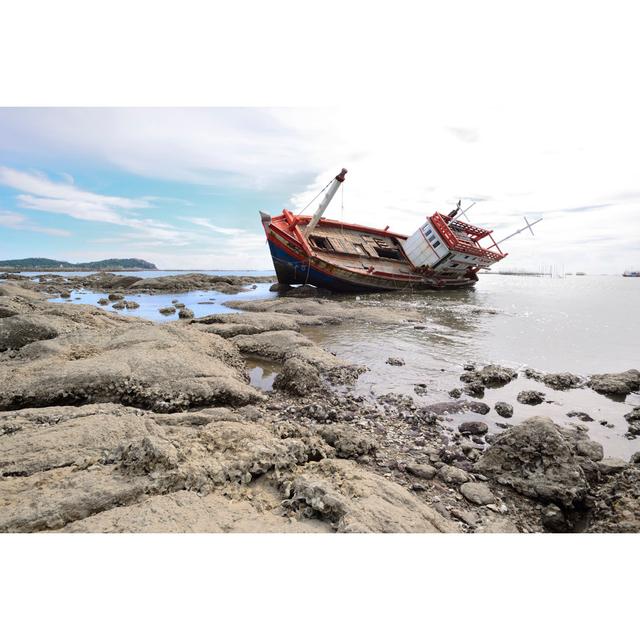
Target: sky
(182,187)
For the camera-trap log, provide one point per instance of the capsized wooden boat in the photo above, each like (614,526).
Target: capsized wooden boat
(443,253)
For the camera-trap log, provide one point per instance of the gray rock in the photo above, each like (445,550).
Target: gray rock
(167,311)
(530,397)
(553,519)
(473,428)
(460,406)
(103,301)
(475,389)
(358,501)
(118,305)
(185,314)
(298,377)
(468,517)
(616,383)
(347,441)
(19,330)
(179,305)
(634,429)
(395,362)
(159,367)
(279,287)
(420,389)
(535,459)
(562,381)
(558,381)
(453,475)
(633,416)
(610,466)
(455,393)
(635,458)
(504,409)
(477,493)
(581,415)
(590,449)
(115,296)
(492,375)
(425,471)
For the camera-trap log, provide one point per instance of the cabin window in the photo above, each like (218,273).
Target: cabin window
(360,249)
(436,244)
(388,252)
(320,242)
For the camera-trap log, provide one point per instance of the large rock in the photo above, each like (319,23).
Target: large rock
(248,323)
(530,397)
(616,383)
(63,464)
(321,311)
(35,440)
(358,501)
(257,511)
(492,375)
(347,440)
(558,381)
(195,282)
(477,493)
(535,459)
(633,417)
(473,428)
(164,368)
(458,406)
(16,331)
(51,499)
(283,346)
(504,409)
(298,377)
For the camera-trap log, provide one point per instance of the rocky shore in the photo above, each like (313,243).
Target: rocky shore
(59,285)
(117,424)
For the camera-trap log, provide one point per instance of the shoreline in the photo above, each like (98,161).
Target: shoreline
(110,423)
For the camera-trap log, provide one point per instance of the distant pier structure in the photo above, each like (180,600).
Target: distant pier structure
(543,271)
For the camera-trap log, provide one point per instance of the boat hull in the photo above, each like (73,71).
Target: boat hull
(293,266)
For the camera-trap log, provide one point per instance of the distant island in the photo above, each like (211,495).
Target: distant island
(47,264)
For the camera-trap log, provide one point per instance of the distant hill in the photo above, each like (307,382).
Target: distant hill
(47,264)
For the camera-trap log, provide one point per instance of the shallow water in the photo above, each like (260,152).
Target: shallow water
(202,303)
(579,324)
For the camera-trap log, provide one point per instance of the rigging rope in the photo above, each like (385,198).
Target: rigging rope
(318,194)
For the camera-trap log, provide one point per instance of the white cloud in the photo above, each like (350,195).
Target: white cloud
(22,223)
(203,222)
(65,198)
(36,183)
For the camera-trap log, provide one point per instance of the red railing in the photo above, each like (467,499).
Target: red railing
(456,243)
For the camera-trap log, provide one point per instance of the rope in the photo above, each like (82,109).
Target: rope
(316,196)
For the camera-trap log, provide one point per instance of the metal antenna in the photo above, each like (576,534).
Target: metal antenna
(463,212)
(527,226)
